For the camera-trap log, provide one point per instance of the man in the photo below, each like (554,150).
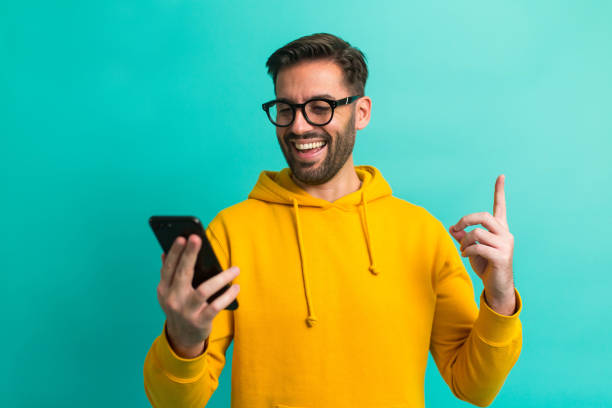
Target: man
(344,289)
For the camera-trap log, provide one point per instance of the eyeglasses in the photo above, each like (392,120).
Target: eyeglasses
(316,111)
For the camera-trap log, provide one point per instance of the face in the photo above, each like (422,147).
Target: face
(330,145)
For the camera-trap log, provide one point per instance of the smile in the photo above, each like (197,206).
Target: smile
(308,150)
(308,146)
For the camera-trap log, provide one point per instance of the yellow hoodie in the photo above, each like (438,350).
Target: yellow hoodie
(340,303)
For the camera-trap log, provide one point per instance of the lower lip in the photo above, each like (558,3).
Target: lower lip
(311,154)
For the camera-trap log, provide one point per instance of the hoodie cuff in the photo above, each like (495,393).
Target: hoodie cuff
(178,368)
(497,329)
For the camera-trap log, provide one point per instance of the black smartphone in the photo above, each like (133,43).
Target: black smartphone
(167,228)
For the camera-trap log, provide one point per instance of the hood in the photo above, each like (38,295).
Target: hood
(279,188)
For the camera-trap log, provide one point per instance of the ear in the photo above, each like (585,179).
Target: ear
(363,106)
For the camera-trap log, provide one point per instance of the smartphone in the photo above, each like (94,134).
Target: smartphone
(167,228)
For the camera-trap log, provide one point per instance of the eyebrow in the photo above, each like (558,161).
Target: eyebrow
(326,96)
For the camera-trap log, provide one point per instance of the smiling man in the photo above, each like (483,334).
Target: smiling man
(343,288)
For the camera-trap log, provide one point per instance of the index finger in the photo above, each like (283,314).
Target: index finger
(185,269)
(499,200)
(171,260)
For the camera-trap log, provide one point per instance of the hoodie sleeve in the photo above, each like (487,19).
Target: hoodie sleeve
(474,349)
(172,381)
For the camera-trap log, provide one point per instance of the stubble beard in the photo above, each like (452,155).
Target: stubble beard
(338,152)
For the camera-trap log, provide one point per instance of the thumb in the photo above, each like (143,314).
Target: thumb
(163,256)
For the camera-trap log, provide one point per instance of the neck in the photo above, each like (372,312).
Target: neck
(344,182)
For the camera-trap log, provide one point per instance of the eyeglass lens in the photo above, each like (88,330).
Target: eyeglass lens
(317,112)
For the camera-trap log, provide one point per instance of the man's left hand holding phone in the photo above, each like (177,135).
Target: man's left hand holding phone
(189,315)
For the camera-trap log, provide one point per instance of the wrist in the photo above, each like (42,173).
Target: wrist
(189,352)
(503,303)
(186,352)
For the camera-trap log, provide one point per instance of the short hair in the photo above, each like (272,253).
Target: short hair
(323,46)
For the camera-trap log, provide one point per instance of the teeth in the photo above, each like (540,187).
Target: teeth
(307,146)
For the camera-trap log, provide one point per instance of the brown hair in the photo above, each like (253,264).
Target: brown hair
(323,46)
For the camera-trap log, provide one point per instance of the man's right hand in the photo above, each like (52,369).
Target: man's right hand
(188,315)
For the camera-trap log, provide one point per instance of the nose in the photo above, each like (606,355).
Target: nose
(300,125)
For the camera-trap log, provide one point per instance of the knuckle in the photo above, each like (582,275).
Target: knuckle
(206,314)
(192,317)
(203,291)
(173,304)
(187,271)
(183,265)
(214,308)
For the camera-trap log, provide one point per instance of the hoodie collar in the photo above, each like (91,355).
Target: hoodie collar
(279,188)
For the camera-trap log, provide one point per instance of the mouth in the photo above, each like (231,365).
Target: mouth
(308,150)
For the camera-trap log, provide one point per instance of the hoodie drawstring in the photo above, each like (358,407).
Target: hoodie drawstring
(311,320)
(373,269)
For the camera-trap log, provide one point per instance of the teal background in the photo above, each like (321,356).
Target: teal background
(114,111)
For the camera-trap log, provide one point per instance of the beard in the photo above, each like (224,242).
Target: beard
(339,150)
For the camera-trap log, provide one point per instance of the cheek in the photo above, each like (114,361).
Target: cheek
(280,133)
(334,130)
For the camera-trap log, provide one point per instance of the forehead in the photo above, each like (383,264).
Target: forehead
(307,79)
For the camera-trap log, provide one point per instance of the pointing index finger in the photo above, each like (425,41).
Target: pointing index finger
(499,203)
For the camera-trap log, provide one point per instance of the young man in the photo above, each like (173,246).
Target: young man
(344,289)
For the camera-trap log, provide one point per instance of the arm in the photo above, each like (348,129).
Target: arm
(473,349)
(171,379)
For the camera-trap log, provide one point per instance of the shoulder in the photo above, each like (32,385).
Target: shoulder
(414,212)
(412,218)
(243,209)
(239,213)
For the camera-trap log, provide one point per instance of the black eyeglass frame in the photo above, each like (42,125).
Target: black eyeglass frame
(334,104)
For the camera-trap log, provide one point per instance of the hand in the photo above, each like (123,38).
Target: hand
(188,315)
(490,252)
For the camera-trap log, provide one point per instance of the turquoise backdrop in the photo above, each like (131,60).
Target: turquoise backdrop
(113,111)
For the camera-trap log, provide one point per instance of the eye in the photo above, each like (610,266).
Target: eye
(318,107)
